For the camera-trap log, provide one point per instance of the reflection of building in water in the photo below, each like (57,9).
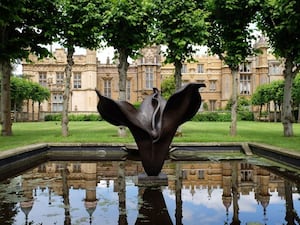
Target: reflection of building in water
(195,175)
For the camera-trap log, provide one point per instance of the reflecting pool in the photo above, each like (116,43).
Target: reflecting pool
(109,192)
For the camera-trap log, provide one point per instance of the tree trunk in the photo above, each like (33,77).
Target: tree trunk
(178,74)
(275,112)
(32,108)
(66,95)
(260,110)
(15,111)
(38,113)
(233,126)
(298,113)
(178,81)
(27,109)
(268,111)
(287,116)
(5,70)
(122,69)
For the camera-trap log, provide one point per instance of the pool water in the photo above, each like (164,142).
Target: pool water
(110,193)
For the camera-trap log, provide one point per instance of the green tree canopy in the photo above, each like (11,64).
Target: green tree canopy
(180,25)
(76,25)
(168,87)
(230,38)
(280,21)
(24,29)
(126,25)
(20,91)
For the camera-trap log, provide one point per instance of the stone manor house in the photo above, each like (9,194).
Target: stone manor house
(145,73)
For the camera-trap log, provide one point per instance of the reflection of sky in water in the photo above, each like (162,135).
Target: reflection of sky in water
(203,207)
(207,208)
(106,211)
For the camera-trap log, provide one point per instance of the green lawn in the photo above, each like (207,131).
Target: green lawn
(102,132)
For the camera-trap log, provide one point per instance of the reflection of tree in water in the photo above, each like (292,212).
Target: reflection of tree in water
(178,197)
(291,214)
(8,211)
(65,188)
(122,194)
(235,194)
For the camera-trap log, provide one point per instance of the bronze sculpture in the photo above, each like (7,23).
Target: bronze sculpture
(154,124)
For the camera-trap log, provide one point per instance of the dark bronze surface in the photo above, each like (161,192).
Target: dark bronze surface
(154,124)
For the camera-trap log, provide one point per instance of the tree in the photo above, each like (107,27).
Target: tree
(76,25)
(23,28)
(126,24)
(280,21)
(20,89)
(276,95)
(296,94)
(230,38)
(38,94)
(266,93)
(168,87)
(258,98)
(180,25)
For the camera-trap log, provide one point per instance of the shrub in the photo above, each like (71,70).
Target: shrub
(246,115)
(74,117)
(222,116)
(137,105)
(209,116)
(53,117)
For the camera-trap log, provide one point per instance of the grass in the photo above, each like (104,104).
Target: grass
(102,132)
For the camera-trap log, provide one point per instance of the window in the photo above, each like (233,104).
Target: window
(107,88)
(76,167)
(212,105)
(77,80)
(184,68)
(42,168)
(57,102)
(200,68)
(274,69)
(59,167)
(184,174)
(246,172)
(245,67)
(128,89)
(149,77)
(245,84)
(43,79)
(212,85)
(201,174)
(59,78)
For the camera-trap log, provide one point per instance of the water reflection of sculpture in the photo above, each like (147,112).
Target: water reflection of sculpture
(153,209)
(154,124)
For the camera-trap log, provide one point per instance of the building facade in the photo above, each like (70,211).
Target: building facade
(147,72)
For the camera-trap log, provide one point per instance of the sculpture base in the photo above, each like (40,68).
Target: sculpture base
(152,181)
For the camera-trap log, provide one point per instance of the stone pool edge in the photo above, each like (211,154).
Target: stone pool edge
(248,148)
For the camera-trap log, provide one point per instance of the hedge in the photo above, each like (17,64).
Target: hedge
(74,117)
(203,116)
(222,116)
